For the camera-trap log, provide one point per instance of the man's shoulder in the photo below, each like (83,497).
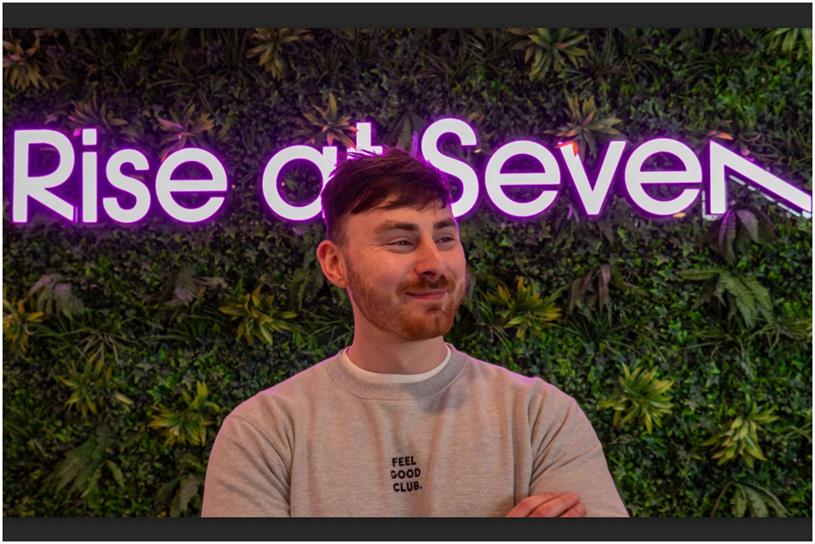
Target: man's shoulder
(533,387)
(287,395)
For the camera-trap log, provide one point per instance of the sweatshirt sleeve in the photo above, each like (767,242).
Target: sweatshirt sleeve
(247,473)
(568,456)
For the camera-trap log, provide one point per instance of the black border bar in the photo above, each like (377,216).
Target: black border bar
(405,15)
(389,529)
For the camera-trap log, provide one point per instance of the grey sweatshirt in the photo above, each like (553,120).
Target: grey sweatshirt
(473,439)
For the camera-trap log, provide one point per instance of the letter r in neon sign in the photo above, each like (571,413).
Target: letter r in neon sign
(26,186)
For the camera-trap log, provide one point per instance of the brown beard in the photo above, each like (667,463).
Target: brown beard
(408,323)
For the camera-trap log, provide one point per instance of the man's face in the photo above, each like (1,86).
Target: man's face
(406,270)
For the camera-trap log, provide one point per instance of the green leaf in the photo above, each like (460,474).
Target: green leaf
(117,473)
(124,399)
(757,505)
(164,492)
(770,499)
(739,501)
(701,274)
(187,490)
(748,219)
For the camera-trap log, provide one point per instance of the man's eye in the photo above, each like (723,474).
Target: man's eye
(410,243)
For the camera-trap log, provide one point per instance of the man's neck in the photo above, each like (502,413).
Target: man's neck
(396,356)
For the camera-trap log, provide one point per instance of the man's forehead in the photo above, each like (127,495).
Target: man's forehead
(430,214)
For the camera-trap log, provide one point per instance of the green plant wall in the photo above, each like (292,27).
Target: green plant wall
(688,343)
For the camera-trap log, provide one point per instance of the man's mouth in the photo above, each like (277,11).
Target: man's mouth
(428,295)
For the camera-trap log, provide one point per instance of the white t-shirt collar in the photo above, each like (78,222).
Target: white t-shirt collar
(378,377)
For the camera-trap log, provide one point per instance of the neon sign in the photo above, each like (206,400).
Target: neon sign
(692,177)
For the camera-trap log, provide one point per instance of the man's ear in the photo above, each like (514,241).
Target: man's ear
(332,263)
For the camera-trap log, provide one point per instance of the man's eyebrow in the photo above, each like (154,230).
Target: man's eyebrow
(396,225)
(444,223)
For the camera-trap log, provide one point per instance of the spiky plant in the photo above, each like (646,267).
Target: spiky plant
(585,126)
(791,40)
(602,65)
(525,310)
(643,398)
(84,466)
(591,289)
(187,485)
(738,439)
(547,49)
(54,296)
(88,385)
(270,48)
(328,125)
(258,315)
(406,130)
(91,113)
(188,127)
(19,323)
(188,425)
(22,67)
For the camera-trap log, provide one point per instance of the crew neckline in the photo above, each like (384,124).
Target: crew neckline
(362,386)
(383,377)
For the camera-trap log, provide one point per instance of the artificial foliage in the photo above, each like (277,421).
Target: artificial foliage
(124,348)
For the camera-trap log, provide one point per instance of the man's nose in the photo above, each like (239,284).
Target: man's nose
(428,258)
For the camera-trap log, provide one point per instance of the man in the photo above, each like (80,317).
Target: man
(401,423)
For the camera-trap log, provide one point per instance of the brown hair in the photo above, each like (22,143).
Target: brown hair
(365,181)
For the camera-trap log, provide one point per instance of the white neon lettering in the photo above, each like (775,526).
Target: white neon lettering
(25,186)
(454,167)
(593,196)
(495,179)
(592,191)
(722,158)
(636,178)
(166,186)
(325,162)
(363,140)
(89,136)
(89,178)
(130,185)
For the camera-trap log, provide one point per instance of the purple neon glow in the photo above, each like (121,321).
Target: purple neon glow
(270,180)
(593,196)
(26,186)
(591,190)
(495,179)
(364,137)
(720,160)
(166,185)
(40,188)
(127,184)
(90,199)
(453,167)
(636,178)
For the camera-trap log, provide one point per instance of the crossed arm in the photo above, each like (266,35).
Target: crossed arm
(568,456)
(549,505)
